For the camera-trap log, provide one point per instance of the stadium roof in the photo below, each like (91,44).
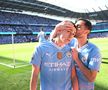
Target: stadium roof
(80,5)
(47,8)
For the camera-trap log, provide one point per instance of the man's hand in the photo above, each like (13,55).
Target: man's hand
(74,54)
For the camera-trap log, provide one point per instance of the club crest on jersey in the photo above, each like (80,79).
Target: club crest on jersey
(59,55)
(84,59)
(68,54)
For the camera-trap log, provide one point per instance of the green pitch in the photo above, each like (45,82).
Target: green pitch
(15,78)
(19,78)
(16,54)
(102,78)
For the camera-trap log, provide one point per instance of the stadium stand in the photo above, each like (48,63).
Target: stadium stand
(46,8)
(99,30)
(25,27)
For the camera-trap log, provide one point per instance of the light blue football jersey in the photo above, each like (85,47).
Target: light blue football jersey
(73,43)
(41,36)
(55,74)
(90,55)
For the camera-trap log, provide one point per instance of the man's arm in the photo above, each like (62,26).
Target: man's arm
(34,77)
(89,74)
(74,79)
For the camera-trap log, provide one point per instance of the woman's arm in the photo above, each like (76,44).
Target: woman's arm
(34,77)
(74,79)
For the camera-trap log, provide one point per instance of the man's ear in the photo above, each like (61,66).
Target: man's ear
(87,31)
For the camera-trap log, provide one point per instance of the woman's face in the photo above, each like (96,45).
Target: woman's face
(65,31)
(66,36)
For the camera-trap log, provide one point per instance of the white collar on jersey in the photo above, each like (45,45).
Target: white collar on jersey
(56,45)
(83,47)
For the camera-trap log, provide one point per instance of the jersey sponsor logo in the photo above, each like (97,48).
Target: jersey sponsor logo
(57,66)
(58,69)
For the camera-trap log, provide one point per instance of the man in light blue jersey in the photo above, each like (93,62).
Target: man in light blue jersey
(41,36)
(87,56)
(53,60)
(73,43)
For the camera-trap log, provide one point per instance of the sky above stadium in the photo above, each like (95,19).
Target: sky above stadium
(80,5)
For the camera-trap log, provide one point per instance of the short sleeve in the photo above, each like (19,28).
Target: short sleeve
(95,60)
(73,43)
(36,57)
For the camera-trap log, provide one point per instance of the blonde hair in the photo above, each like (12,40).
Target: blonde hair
(61,25)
